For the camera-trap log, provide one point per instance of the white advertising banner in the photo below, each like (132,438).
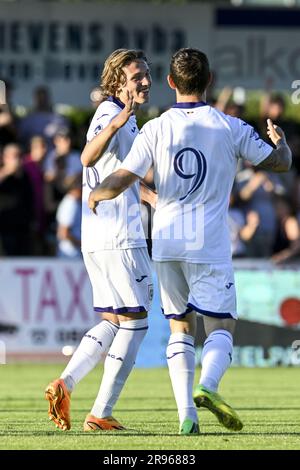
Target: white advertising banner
(44,304)
(64,45)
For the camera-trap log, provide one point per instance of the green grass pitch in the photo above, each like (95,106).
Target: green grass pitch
(267,400)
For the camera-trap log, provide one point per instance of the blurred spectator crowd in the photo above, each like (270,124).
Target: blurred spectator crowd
(40,185)
(40,182)
(264,208)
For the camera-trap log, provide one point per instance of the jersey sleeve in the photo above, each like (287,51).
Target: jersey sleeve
(247,142)
(140,158)
(101,119)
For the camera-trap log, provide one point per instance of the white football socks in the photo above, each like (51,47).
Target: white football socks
(216,358)
(90,351)
(181,363)
(118,365)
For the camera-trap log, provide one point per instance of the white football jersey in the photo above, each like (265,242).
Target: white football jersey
(194,150)
(117,224)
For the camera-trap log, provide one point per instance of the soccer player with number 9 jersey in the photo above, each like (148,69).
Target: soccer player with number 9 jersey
(194,150)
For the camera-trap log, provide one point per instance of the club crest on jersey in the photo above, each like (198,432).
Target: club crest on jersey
(198,176)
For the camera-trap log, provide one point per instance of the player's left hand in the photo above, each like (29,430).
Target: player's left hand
(92,203)
(275,133)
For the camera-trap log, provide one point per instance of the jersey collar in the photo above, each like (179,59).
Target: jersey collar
(116,101)
(189,105)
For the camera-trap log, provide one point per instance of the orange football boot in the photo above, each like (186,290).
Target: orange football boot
(59,404)
(109,423)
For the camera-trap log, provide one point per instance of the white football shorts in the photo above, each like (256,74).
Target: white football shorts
(121,280)
(207,289)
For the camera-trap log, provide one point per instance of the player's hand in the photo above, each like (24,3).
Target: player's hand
(130,104)
(92,203)
(129,108)
(148,195)
(275,133)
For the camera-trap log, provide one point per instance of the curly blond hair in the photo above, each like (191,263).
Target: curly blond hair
(113,76)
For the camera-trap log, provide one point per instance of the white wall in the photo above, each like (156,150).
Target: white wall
(43,43)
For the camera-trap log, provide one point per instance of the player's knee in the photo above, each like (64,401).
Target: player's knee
(186,325)
(112,317)
(211,324)
(132,316)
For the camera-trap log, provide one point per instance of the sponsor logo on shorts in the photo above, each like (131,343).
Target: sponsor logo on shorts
(141,279)
(229,285)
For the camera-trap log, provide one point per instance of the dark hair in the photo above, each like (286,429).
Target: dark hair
(189,70)
(74,182)
(63,132)
(277,98)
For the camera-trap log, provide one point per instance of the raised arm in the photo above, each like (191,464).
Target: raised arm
(95,149)
(111,187)
(280,159)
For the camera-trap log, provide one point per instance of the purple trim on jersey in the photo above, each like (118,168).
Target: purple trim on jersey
(182,342)
(134,329)
(189,105)
(210,314)
(180,315)
(119,311)
(116,101)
